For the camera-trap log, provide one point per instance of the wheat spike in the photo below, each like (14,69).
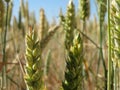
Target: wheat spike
(22,6)
(20,19)
(46,39)
(42,25)
(68,24)
(115,30)
(73,46)
(115,37)
(10,12)
(27,11)
(84,8)
(73,75)
(102,9)
(34,69)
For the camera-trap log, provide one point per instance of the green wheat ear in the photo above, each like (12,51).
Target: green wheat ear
(73,75)
(73,46)
(10,12)
(33,68)
(68,23)
(115,40)
(84,7)
(115,27)
(103,8)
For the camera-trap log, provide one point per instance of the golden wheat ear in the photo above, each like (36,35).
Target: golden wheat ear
(42,24)
(34,70)
(47,38)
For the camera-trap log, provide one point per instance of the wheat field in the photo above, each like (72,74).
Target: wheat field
(72,53)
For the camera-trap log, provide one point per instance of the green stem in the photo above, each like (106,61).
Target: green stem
(115,76)
(118,79)
(83,50)
(101,50)
(84,31)
(4,53)
(88,38)
(109,50)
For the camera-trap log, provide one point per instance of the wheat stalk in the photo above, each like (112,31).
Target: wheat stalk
(84,10)
(4,79)
(20,19)
(109,50)
(102,8)
(1,14)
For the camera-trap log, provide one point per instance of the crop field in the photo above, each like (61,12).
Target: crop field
(72,53)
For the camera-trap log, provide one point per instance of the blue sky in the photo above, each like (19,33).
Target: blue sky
(51,7)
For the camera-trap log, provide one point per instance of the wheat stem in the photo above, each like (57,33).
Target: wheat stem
(4,53)
(101,50)
(109,50)
(87,37)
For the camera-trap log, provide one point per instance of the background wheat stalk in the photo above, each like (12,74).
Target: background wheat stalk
(84,12)
(4,75)
(102,8)
(2,12)
(109,50)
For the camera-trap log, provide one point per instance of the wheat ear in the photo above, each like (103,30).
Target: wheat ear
(115,36)
(73,46)
(84,8)
(34,69)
